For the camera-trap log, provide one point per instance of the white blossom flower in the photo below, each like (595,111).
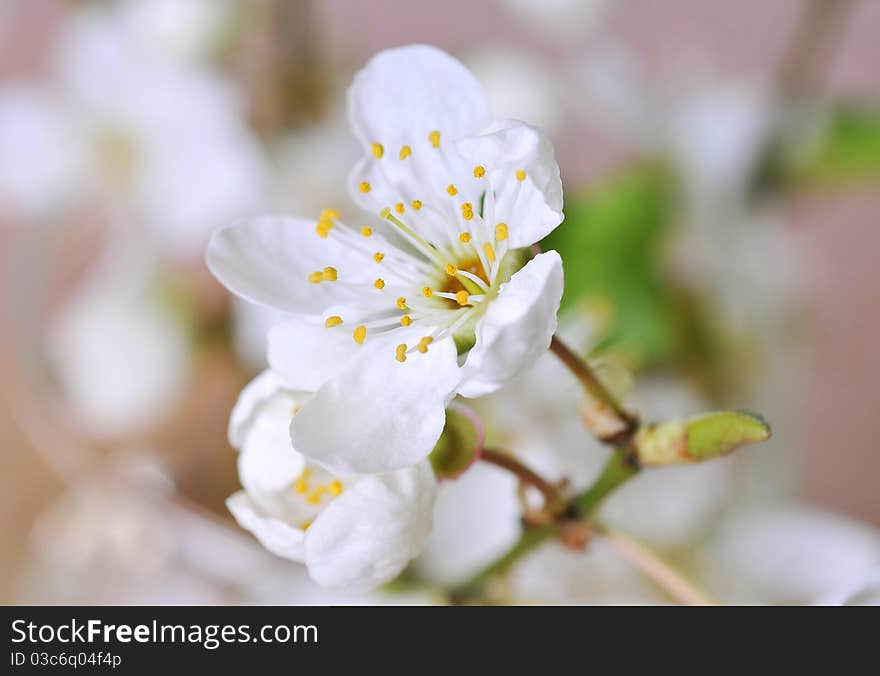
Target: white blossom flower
(352,532)
(387,310)
(117,311)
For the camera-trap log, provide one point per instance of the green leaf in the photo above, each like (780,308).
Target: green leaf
(609,242)
(848,150)
(459,445)
(613,243)
(702,437)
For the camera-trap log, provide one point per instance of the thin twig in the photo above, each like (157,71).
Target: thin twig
(594,386)
(552,499)
(658,570)
(811,45)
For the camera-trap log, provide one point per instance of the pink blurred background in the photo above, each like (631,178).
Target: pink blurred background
(838,233)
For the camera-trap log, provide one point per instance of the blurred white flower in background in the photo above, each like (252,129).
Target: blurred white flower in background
(861,590)
(554,574)
(353,532)
(112,537)
(161,139)
(120,535)
(518,86)
(118,348)
(39,152)
(179,31)
(781,552)
(477,517)
(567,19)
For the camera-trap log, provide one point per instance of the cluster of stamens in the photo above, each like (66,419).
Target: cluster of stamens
(454,276)
(313,495)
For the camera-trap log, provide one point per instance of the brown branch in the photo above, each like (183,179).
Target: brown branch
(811,46)
(623,424)
(552,499)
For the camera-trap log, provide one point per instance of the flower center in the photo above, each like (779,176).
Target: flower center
(315,492)
(450,265)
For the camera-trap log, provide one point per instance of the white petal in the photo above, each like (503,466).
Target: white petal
(517,326)
(399,99)
(367,535)
(404,94)
(532,208)
(268,260)
(275,535)
(380,414)
(254,395)
(307,354)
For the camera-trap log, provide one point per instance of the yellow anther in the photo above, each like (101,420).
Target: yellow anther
(379,283)
(323,228)
(464,237)
(479,171)
(434,138)
(334,320)
(329,215)
(451,270)
(399,208)
(427,292)
(417,204)
(306,473)
(305,525)
(489,251)
(406,320)
(405,151)
(423,344)
(451,189)
(501,232)
(314,497)
(366,232)
(316,277)
(400,352)
(378,150)
(335,487)
(301,485)
(378,256)
(360,333)
(364,186)
(467,211)
(520,175)
(401,303)
(294,410)
(329,274)
(462,297)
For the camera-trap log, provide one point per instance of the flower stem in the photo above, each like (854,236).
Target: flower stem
(658,570)
(617,470)
(528,540)
(594,386)
(506,461)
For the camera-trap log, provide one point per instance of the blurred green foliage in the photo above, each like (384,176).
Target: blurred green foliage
(613,244)
(848,150)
